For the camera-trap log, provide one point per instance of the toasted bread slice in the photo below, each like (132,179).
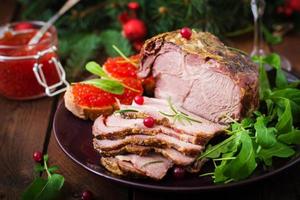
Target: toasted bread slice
(85,112)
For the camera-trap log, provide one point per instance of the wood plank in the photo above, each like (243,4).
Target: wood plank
(78,179)
(22,131)
(280,187)
(290,48)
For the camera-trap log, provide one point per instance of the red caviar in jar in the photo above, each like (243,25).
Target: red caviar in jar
(17,58)
(91,96)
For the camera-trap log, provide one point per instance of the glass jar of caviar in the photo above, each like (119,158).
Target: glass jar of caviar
(29,71)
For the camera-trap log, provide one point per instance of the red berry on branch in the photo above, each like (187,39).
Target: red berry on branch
(139,100)
(133,6)
(37,156)
(178,172)
(134,29)
(23,26)
(87,195)
(186,33)
(149,122)
(123,17)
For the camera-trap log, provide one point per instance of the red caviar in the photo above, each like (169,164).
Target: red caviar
(91,96)
(17,80)
(118,67)
(136,89)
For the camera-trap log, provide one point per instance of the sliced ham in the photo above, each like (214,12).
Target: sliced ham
(159,140)
(153,166)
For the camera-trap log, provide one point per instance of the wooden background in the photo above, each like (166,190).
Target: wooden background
(26,126)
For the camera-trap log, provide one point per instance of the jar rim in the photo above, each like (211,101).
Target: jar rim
(37,24)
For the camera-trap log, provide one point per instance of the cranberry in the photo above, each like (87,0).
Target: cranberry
(149,122)
(186,33)
(178,172)
(139,100)
(37,156)
(87,195)
(133,5)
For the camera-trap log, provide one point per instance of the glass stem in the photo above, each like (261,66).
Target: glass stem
(257,7)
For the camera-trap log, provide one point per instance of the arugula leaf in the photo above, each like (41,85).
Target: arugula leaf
(264,83)
(245,163)
(111,86)
(96,69)
(32,191)
(265,137)
(285,118)
(292,137)
(274,60)
(278,150)
(225,146)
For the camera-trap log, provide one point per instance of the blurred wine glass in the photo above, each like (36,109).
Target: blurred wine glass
(258,8)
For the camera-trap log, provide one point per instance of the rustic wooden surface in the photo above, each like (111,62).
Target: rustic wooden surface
(27,126)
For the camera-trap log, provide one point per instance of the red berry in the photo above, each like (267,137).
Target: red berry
(178,172)
(139,100)
(133,5)
(37,156)
(123,17)
(23,26)
(134,29)
(149,122)
(87,195)
(186,33)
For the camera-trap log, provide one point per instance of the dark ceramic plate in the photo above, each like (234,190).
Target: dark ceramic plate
(75,138)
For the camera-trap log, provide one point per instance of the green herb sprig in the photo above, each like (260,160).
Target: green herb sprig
(123,56)
(42,188)
(105,82)
(269,132)
(178,115)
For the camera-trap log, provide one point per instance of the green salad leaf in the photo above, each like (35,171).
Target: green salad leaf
(112,86)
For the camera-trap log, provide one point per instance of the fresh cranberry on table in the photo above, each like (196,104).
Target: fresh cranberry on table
(87,195)
(178,172)
(37,156)
(149,122)
(186,33)
(139,100)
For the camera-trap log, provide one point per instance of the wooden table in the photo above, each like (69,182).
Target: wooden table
(26,126)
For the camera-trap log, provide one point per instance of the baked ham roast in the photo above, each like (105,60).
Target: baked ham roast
(201,75)
(209,84)
(166,144)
